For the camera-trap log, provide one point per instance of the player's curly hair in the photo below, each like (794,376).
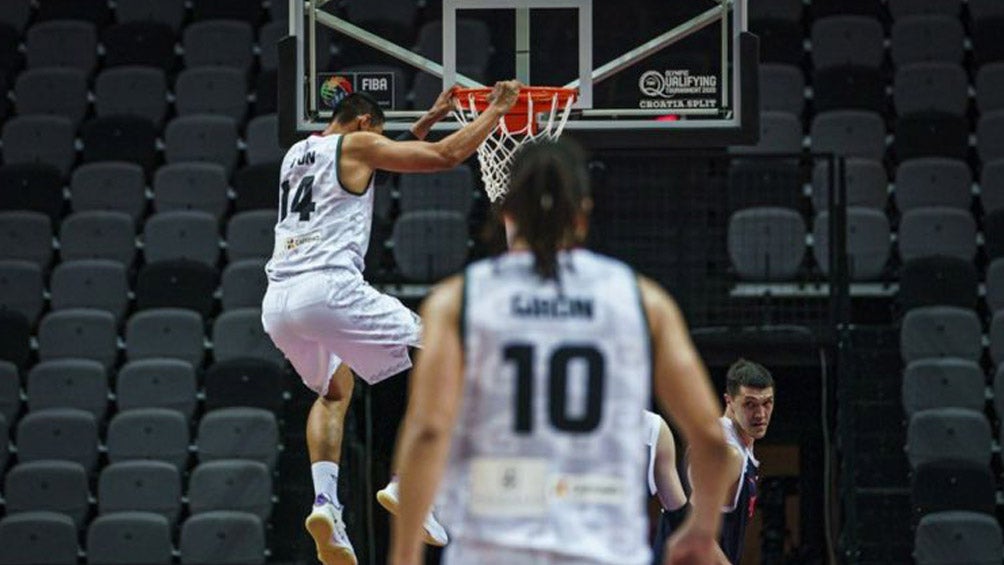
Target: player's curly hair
(549,187)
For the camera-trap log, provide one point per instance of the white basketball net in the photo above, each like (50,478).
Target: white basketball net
(496,154)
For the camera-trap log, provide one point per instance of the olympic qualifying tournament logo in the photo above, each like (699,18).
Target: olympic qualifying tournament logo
(334,90)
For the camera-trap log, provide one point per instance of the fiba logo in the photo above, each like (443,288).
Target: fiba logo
(334,90)
(653,83)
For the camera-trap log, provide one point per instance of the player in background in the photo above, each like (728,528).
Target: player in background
(749,404)
(663,477)
(318,309)
(537,366)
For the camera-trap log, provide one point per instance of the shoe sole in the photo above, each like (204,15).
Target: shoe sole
(321,529)
(390,505)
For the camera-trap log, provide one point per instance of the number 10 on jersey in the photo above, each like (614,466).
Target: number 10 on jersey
(522,356)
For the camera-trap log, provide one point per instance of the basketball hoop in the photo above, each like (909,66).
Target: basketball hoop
(539,114)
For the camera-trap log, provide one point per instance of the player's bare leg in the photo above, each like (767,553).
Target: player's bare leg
(325,428)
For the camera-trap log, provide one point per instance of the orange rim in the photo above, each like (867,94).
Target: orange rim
(539,95)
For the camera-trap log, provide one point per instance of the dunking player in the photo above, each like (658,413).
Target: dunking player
(318,309)
(749,403)
(538,364)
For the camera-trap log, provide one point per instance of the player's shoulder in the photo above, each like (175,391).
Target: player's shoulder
(601,263)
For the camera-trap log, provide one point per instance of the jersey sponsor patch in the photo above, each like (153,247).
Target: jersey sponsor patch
(509,486)
(293,242)
(589,489)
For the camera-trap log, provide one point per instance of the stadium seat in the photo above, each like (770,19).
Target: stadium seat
(990,136)
(190,235)
(251,235)
(782,89)
(430,245)
(244,382)
(95,12)
(867,185)
(10,393)
(941,486)
(223,538)
(243,486)
(827,8)
(992,186)
(998,387)
(849,87)
(129,538)
(177,283)
(15,338)
(32,187)
(26,236)
(157,383)
(109,187)
(266,92)
(780,40)
(40,139)
(90,283)
(140,486)
(944,536)
(147,44)
(238,433)
(935,435)
(38,537)
(931,87)
(15,13)
(4,441)
(990,88)
(766,244)
(80,333)
(220,91)
(48,486)
(238,333)
(937,230)
(154,434)
(11,60)
(931,134)
(904,8)
(986,33)
(937,280)
(939,332)
(126,138)
(21,288)
(868,242)
(69,383)
(851,133)
(263,140)
(165,332)
(168,12)
(132,91)
(98,235)
(243,10)
(942,383)
(202,138)
(791,10)
(198,187)
(243,284)
(71,44)
(932,38)
(831,36)
(218,43)
(993,234)
(997,337)
(933,182)
(52,91)
(63,434)
(995,285)
(450,191)
(257,187)
(268,41)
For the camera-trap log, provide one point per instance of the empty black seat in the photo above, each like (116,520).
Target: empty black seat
(32,186)
(244,382)
(177,283)
(120,138)
(148,44)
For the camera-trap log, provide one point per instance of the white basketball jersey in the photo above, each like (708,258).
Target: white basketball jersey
(733,439)
(321,225)
(549,451)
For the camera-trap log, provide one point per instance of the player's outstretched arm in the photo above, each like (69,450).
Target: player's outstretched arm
(377,152)
(683,389)
(424,440)
(439,110)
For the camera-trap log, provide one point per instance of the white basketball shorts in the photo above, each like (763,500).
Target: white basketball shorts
(320,320)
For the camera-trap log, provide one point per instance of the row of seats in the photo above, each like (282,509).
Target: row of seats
(206,138)
(137,538)
(17,13)
(156,382)
(794,10)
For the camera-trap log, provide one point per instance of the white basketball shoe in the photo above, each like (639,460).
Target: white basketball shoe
(435,533)
(328,530)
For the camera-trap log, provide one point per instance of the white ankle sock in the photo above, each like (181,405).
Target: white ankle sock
(325,474)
